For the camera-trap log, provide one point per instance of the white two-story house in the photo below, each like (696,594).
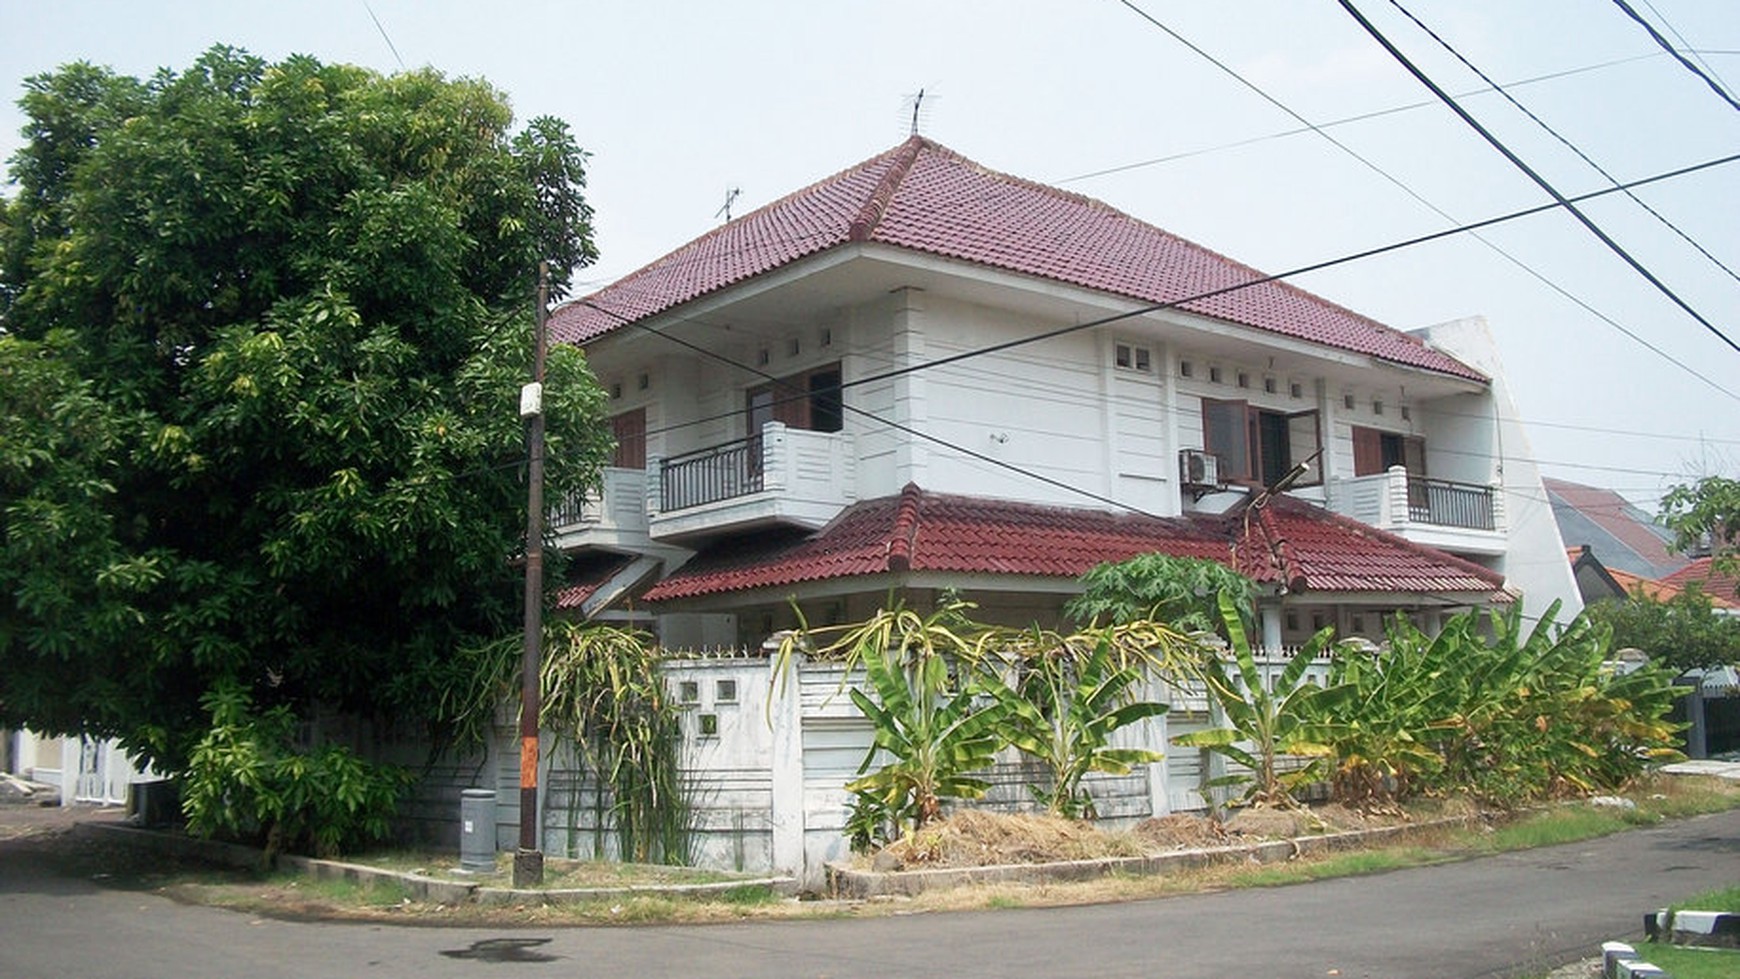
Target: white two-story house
(920,373)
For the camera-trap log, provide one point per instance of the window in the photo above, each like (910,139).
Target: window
(1259,446)
(725,691)
(629,429)
(810,401)
(1376,451)
(1133,358)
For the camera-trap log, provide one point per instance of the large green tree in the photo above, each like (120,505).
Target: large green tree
(262,330)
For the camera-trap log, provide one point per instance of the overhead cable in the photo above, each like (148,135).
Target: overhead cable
(1539,180)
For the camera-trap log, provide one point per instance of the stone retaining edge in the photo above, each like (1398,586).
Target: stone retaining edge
(417,885)
(846,882)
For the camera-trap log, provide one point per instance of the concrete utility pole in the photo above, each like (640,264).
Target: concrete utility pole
(529,858)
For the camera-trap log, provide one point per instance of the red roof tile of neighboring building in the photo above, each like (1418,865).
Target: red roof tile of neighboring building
(586,575)
(927,198)
(1290,541)
(1722,590)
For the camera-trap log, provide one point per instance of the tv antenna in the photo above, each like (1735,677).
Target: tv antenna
(730,198)
(917,101)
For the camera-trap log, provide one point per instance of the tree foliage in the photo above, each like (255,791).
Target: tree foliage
(1707,511)
(262,329)
(1684,632)
(1183,591)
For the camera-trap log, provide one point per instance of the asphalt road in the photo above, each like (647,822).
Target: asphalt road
(1488,917)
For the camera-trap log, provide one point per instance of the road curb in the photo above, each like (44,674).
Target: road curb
(423,888)
(848,882)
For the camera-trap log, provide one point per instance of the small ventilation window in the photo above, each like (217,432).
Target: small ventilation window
(793,347)
(709,725)
(689,692)
(1377,407)
(644,382)
(1406,414)
(1270,385)
(1296,389)
(1244,379)
(725,692)
(615,390)
(1214,375)
(1347,401)
(1185,369)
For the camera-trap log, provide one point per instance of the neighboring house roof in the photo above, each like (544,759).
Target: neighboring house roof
(1620,534)
(586,574)
(924,197)
(1286,541)
(1723,591)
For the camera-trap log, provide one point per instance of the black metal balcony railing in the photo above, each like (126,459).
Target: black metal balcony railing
(721,472)
(1447,504)
(569,510)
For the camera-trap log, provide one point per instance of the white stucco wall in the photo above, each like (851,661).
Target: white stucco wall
(1534,560)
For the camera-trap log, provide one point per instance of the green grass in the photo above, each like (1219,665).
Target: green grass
(376,894)
(1726,899)
(1692,963)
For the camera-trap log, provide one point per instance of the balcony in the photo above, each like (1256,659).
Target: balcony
(783,476)
(612,517)
(1462,518)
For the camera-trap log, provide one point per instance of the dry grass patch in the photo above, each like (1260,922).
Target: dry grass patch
(971,838)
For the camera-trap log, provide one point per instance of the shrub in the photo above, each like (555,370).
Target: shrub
(245,781)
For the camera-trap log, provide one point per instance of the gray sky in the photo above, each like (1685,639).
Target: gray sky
(679,102)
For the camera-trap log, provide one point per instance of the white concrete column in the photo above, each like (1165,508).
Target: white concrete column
(1154,735)
(775,453)
(1396,498)
(910,404)
(1269,613)
(655,481)
(786,716)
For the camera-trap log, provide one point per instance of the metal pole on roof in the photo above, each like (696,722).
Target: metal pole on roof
(529,858)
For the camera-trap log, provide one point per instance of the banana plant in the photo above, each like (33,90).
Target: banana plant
(1064,710)
(1263,725)
(931,729)
(1382,728)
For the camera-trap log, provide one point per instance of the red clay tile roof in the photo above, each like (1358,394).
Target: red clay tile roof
(927,198)
(1724,592)
(587,574)
(921,531)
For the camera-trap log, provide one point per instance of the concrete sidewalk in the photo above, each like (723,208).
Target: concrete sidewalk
(1729,770)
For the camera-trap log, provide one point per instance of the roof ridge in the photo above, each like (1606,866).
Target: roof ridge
(876,205)
(905,528)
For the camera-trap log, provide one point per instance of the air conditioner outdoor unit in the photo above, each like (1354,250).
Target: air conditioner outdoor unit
(1199,470)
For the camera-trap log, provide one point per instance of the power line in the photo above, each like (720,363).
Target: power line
(1447,46)
(1345,120)
(1494,246)
(382,28)
(1539,180)
(1684,44)
(1677,56)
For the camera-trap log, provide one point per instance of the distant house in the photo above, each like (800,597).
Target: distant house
(1616,532)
